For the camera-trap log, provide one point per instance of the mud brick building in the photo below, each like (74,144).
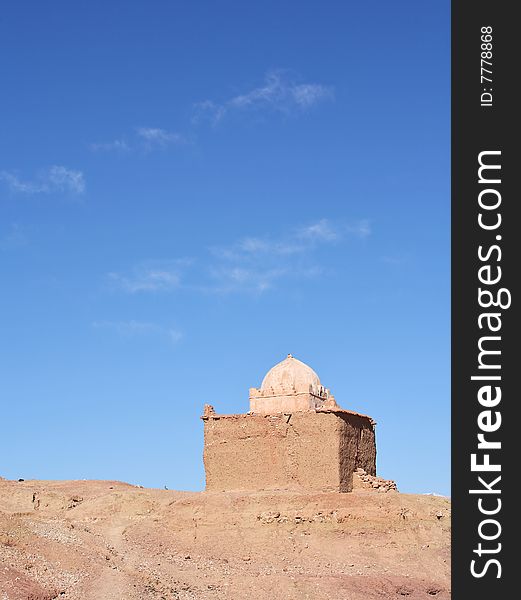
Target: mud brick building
(295,436)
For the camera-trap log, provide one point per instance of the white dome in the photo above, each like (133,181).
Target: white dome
(290,374)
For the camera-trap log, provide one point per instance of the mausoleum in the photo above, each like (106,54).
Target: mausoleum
(295,436)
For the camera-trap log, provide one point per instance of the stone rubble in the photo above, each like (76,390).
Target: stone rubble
(363,480)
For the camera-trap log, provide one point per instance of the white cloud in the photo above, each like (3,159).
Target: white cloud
(114,146)
(281,247)
(257,264)
(321,231)
(66,180)
(298,241)
(308,94)
(152,280)
(55,179)
(151,276)
(15,184)
(143,138)
(235,278)
(395,260)
(160,137)
(279,93)
(361,228)
(209,110)
(251,264)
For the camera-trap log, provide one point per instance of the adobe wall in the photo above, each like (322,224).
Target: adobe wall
(302,450)
(357,448)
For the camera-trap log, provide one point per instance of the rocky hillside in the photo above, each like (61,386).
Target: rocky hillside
(103,540)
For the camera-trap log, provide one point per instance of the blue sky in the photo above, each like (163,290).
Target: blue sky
(190,191)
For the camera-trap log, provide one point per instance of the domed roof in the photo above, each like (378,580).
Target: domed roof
(290,374)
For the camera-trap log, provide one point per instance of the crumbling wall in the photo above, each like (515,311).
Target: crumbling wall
(366,454)
(349,437)
(357,447)
(310,450)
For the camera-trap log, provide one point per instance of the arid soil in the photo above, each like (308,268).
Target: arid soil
(105,540)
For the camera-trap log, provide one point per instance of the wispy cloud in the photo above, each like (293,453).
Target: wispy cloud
(132,328)
(113,146)
(65,180)
(142,138)
(55,179)
(153,136)
(395,260)
(256,263)
(297,241)
(361,229)
(278,93)
(300,240)
(251,264)
(151,276)
(240,278)
(321,231)
(259,246)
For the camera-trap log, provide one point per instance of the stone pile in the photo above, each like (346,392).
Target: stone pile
(363,480)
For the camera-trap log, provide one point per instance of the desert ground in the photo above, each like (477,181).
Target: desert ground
(107,540)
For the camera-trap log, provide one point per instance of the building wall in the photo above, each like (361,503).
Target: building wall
(357,448)
(270,405)
(302,450)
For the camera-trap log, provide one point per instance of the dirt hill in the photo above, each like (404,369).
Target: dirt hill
(106,540)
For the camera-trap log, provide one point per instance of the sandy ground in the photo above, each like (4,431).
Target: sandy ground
(106,540)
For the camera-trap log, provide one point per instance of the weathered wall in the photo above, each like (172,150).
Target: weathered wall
(311,450)
(366,455)
(357,448)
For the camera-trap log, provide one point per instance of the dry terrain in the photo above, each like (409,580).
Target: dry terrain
(105,540)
